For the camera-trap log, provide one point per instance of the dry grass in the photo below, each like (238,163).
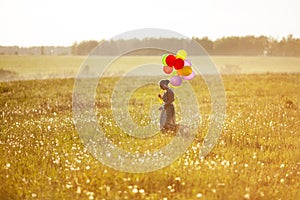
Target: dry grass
(38,67)
(257,157)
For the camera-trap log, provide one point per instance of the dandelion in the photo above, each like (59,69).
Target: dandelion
(135,190)
(78,191)
(91,195)
(34,195)
(7,165)
(199,195)
(225,163)
(107,189)
(281,180)
(69,185)
(247,196)
(56,161)
(141,191)
(282,165)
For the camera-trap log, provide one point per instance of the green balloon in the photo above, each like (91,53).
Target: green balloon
(174,73)
(164,59)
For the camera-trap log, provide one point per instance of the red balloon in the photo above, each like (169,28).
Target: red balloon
(170,59)
(168,69)
(178,63)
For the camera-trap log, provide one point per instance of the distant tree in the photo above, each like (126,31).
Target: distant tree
(74,48)
(297,49)
(246,46)
(206,43)
(85,47)
(292,47)
(252,46)
(226,46)
(288,46)
(42,50)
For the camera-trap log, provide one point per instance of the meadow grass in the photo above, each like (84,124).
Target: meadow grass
(257,155)
(37,67)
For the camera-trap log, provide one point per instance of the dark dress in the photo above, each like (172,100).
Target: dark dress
(170,123)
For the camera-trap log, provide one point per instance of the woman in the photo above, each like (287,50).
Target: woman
(168,121)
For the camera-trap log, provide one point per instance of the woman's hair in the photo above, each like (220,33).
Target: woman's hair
(164,82)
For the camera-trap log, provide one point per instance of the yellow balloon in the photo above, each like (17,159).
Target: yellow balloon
(181,54)
(185,71)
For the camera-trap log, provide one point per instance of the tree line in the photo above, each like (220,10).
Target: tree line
(235,46)
(252,46)
(229,46)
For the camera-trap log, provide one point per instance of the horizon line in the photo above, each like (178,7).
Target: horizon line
(153,37)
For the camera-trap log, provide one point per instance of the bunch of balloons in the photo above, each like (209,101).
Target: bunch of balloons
(178,66)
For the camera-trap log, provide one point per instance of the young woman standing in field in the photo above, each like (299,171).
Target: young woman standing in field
(167,117)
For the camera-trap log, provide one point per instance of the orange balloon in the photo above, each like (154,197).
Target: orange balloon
(185,71)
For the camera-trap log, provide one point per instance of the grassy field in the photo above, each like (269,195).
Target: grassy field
(257,156)
(37,67)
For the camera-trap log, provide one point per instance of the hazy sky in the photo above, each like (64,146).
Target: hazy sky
(62,22)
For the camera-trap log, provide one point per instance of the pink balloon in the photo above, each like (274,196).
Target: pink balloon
(187,62)
(168,69)
(189,77)
(176,81)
